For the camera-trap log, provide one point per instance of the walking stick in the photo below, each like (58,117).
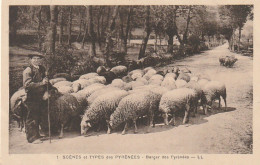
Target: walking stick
(48,100)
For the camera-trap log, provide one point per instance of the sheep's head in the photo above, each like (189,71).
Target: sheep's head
(85,125)
(51,93)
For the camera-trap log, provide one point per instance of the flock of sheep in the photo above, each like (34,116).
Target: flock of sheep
(227,61)
(116,96)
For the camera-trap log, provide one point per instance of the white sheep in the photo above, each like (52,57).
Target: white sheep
(101,109)
(149,74)
(183,76)
(203,82)
(173,75)
(169,83)
(134,106)
(142,79)
(100,92)
(182,99)
(65,89)
(213,90)
(180,83)
(62,83)
(136,74)
(119,71)
(55,80)
(88,76)
(147,69)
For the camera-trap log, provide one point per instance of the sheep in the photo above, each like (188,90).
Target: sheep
(156,77)
(101,109)
(17,107)
(65,89)
(98,79)
(177,100)
(142,79)
(81,95)
(227,60)
(147,69)
(222,60)
(119,71)
(213,90)
(173,75)
(88,76)
(149,74)
(118,83)
(76,87)
(64,110)
(101,69)
(55,80)
(185,70)
(62,83)
(99,92)
(62,75)
(183,76)
(136,74)
(127,79)
(133,106)
(136,84)
(109,76)
(199,93)
(83,83)
(180,83)
(204,76)
(203,82)
(169,83)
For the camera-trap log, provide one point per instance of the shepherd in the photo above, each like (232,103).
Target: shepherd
(35,84)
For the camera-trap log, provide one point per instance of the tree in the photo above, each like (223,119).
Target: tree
(13,16)
(51,35)
(91,31)
(70,25)
(146,33)
(111,29)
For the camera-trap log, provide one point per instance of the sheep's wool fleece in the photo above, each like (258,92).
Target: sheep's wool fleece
(169,83)
(203,82)
(195,85)
(103,106)
(56,80)
(88,76)
(213,89)
(100,92)
(118,70)
(86,92)
(173,75)
(18,94)
(147,69)
(133,106)
(184,76)
(180,83)
(62,83)
(64,108)
(65,89)
(176,99)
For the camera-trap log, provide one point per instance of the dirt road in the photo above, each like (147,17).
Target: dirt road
(218,132)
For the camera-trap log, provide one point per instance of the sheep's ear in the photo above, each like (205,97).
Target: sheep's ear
(88,124)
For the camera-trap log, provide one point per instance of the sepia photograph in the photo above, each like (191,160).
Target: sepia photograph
(130,79)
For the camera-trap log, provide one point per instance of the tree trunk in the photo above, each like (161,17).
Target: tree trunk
(155,43)
(127,28)
(61,26)
(239,37)
(91,32)
(80,25)
(85,30)
(39,28)
(185,35)
(109,41)
(146,33)
(70,25)
(170,43)
(53,30)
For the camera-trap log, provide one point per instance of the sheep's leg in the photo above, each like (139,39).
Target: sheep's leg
(205,109)
(108,127)
(186,116)
(150,123)
(135,131)
(172,121)
(61,131)
(165,116)
(224,98)
(125,128)
(219,102)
